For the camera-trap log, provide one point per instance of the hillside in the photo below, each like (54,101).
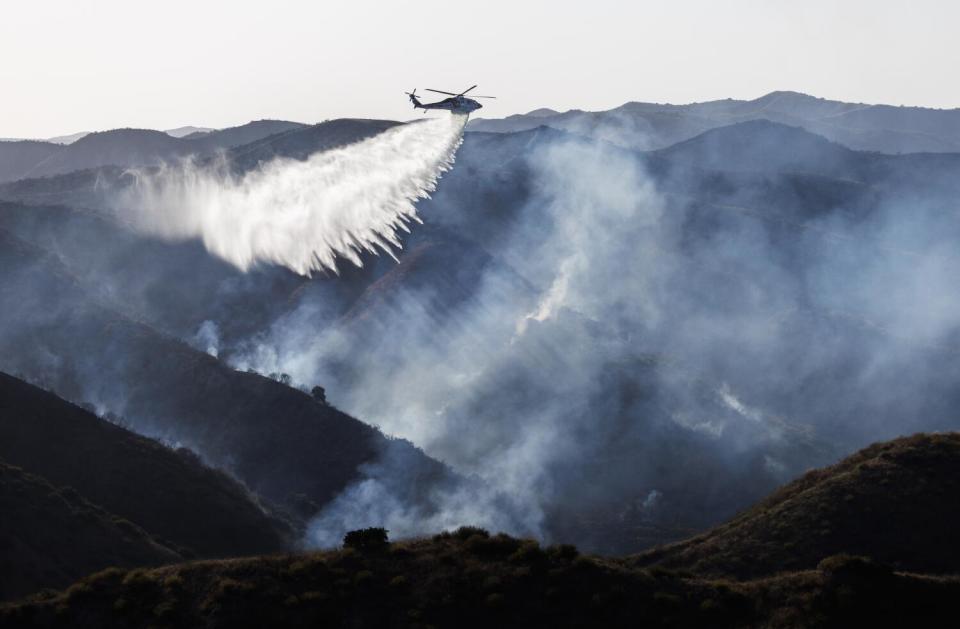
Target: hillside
(896,502)
(50,536)
(279,441)
(17,158)
(759,145)
(303,141)
(120,147)
(172,286)
(469,578)
(237,136)
(170,494)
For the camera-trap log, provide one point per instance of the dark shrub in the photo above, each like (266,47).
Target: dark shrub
(529,552)
(566,552)
(491,547)
(851,568)
(466,532)
(374,538)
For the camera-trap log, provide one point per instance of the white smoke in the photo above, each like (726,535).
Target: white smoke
(207,338)
(300,214)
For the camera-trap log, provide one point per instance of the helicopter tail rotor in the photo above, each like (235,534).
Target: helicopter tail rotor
(413,98)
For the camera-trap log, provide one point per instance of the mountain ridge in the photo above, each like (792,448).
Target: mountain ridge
(126,147)
(651,126)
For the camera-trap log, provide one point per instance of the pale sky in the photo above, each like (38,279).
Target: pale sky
(68,66)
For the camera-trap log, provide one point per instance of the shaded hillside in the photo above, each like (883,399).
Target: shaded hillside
(632,125)
(17,158)
(895,502)
(303,141)
(281,442)
(120,147)
(759,146)
(237,136)
(170,494)
(649,126)
(49,536)
(471,579)
(172,286)
(441,269)
(80,188)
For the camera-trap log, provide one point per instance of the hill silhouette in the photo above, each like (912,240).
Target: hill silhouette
(120,147)
(895,502)
(171,494)
(891,503)
(237,136)
(50,537)
(17,158)
(764,146)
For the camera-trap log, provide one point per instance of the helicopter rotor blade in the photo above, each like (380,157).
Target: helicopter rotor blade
(441,92)
(465,91)
(483,97)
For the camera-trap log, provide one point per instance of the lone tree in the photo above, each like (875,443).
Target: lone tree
(374,538)
(319,394)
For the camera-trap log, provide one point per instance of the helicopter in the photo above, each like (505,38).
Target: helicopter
(457,103)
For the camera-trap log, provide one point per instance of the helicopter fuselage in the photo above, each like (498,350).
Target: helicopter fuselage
(455,104)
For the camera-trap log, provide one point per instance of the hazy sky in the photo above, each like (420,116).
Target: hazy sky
(90,65)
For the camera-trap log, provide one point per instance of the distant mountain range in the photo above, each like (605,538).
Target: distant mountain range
(634,125)
(182,132)
(126,148)
(68,139)
(649,126)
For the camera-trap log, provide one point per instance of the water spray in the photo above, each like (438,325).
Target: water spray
(305,215)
